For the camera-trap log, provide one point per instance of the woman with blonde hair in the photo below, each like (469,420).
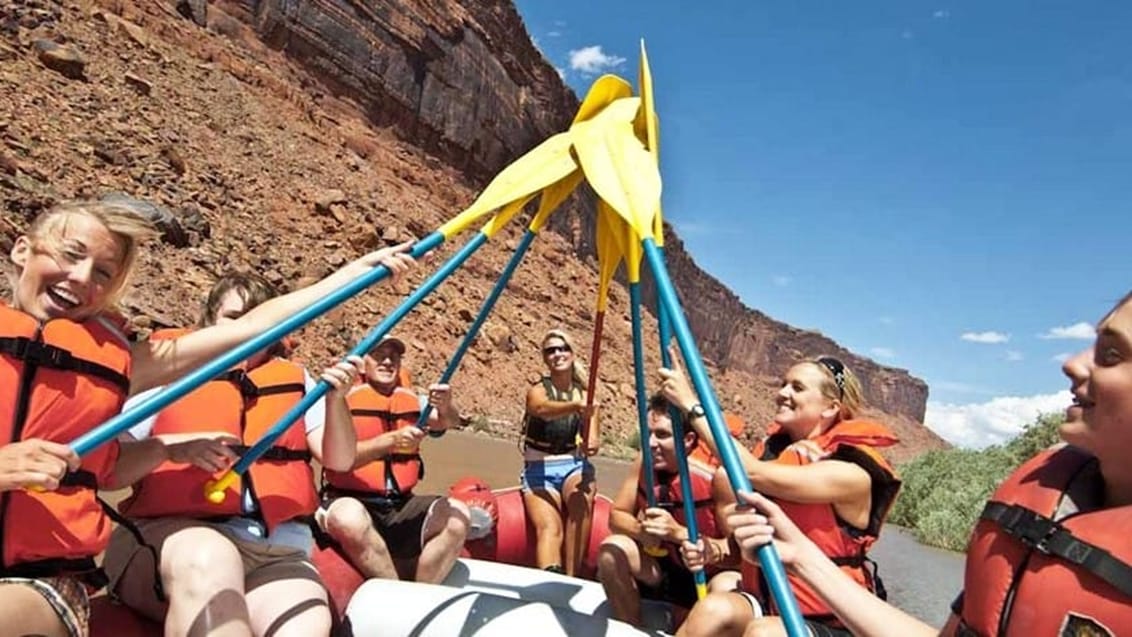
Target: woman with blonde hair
(820,462)
(557,478)
(66,367)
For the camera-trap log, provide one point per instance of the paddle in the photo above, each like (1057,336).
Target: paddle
(552,197)
(768,557)
(646,128)
(216,489)
(113,427)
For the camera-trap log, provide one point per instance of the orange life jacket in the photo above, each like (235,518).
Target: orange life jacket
(244,405)
(845,545)
(58,380)
(668,493)
(374,414)
(735,426)
(1028,574)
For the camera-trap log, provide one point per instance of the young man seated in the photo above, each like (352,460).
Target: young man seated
(641,557)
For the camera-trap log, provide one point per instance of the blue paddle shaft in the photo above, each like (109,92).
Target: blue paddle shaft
(111,428)
(488,305)
(361,349)
(768,557)
(642,398)
(682,452)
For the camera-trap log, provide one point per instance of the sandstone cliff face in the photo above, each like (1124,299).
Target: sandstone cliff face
(262,154)
(463,79)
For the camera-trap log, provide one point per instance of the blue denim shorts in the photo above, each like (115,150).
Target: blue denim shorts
(550,475)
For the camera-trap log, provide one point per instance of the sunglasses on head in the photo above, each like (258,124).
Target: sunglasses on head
(837,368)
(556,349)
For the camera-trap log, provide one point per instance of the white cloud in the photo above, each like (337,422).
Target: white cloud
(781,280)
(592,59)
(1014,355)
(553,34)
(985,337)
(1078,331)
(886,320)
(977,425)
(1060,358)
(906,34)
(883,352)
(941,14)
(559,23)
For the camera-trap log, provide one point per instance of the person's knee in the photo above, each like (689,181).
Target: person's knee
(713,614)
(765,627)
(448,522)
(198,559)
(347,520)
(613,557)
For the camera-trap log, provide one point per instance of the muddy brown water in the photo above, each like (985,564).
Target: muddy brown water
(922,580)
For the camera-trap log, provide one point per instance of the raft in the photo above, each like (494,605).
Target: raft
(386,607)
(496,569)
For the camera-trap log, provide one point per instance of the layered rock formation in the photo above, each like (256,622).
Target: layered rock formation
(462,79)
(290,152)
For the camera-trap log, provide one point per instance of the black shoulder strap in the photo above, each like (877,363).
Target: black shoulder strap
(248,389)
(47,355)
(1049,537)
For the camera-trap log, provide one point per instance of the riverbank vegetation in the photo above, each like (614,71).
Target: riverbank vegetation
(944,491)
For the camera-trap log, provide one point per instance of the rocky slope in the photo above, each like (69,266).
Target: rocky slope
(289,136)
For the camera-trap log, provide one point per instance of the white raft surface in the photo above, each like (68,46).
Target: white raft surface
(393,608)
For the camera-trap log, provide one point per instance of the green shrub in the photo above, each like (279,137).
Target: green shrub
(944,491)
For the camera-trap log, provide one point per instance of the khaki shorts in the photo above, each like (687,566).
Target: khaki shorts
(132,569)
(68,597)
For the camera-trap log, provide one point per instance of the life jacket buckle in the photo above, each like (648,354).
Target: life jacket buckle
(42,354)
(1032,529)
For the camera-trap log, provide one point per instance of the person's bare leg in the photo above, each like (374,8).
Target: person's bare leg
(544,510)
(289,608)
(765,627)
(718,615)
(203,577)
(445,529)
(620,565)
(348,522)
(578,497)
(26,612)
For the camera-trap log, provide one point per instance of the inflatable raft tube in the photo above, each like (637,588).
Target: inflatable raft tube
(531,585)
(395,609)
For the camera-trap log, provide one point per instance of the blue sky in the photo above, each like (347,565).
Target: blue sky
(943,187)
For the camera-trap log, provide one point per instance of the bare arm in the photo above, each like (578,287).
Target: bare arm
(335,443)
(862,612)
(159,362)
(623,514)
(207,450)
(444,413)
(826,481)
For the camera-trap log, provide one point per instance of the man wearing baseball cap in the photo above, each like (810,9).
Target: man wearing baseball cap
(384,528)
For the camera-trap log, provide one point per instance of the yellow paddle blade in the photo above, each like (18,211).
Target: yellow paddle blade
(647,127)
(609,250)
(603,91)
(646,118)
(633,254)
(618,166)
(505,215)
(541,166)
(553,196)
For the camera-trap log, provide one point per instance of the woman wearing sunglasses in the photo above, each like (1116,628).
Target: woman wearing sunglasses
(819,462)
(557,478)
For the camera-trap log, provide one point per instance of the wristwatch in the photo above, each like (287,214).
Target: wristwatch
(696,411)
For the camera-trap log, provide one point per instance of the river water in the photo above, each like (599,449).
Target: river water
(921,580)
